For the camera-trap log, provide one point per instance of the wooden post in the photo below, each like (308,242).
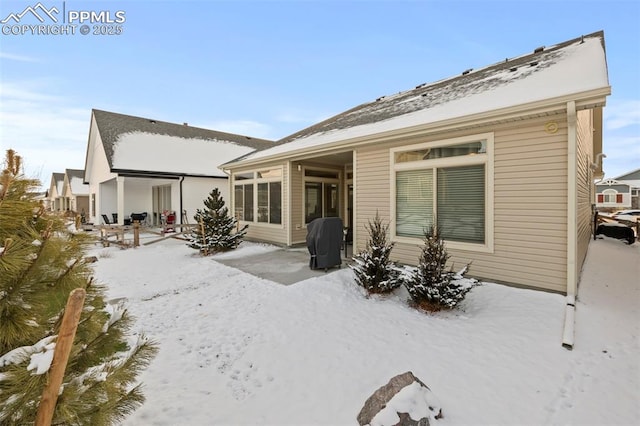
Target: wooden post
(60,356)
(136,233)
(204,237)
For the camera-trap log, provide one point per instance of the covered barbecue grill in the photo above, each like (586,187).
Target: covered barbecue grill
(324,241)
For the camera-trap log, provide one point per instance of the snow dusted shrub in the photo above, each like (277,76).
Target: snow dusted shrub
(431,286)
(373,269)
(216,229)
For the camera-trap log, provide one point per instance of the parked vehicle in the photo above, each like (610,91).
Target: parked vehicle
(627,215)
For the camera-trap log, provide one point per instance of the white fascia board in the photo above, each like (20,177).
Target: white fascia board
(583,100)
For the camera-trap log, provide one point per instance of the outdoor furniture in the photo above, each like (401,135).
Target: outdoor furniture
(168,222)
(618,231)
(106,220)
(324,241)
(141,218)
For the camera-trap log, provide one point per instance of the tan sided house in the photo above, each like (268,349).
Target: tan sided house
(502,159)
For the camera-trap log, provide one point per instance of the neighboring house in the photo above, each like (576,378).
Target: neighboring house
(136,165)
(501,159)
(55,198)
(75,191)
(619,193)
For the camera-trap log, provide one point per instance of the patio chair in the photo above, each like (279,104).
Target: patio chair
(141,218)
(106,220)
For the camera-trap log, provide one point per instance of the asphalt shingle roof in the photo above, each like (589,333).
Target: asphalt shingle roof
(425,96)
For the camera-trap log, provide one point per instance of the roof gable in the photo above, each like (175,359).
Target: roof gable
(147,145)
(75,181)
(544,74)
(57,183)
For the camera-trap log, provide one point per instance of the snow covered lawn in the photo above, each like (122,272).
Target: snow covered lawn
(236,349)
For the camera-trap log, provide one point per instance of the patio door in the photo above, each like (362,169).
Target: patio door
(161,199)
(321,200)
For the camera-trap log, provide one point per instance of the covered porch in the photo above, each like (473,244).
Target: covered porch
(321,186)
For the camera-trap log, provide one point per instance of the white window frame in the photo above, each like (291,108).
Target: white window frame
(255,181)
(610,193)
(486,159)
(322,180)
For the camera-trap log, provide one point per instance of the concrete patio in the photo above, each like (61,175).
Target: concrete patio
(283,265)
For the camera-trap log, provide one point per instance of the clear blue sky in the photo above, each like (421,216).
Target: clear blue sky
(267,69)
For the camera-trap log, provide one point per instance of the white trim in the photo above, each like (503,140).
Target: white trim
(572,225)
(585,100)
(354,243)
(322,180)
(486,159)
(288,209)
(255,181)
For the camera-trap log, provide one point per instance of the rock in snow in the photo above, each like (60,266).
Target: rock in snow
(404,401)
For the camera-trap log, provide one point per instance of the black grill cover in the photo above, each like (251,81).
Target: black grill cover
(324,241)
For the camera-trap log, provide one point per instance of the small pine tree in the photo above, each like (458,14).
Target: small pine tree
(215,228)
(373,269)
(40,264)
(431,286)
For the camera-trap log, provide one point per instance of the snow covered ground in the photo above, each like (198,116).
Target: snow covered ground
(239,350)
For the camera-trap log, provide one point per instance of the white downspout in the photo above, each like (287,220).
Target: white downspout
(572,228)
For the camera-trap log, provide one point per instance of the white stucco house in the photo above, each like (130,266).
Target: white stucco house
(55,200)
(137,165)
(75,192)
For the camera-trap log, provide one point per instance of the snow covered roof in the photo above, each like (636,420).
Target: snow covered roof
(137,144)
(76,182)
(570,68)
(57,181)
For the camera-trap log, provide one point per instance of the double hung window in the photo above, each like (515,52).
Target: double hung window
(444,184)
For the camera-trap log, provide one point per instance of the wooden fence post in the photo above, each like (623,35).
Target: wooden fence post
(60,356)
(136,234)
(204,238)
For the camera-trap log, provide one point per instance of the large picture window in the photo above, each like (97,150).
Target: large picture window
(443,184)
(258,196)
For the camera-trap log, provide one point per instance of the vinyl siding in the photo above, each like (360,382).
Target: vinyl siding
(530,204)
(298,229)
(585,187)
(268,232)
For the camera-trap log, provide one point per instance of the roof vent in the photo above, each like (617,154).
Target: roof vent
(380,98)
(152,121)
(533,64)
(185,124)
(538,49)
(465,72)
(421,85)
(513,69)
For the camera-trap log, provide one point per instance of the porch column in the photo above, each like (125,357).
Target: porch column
(120,199)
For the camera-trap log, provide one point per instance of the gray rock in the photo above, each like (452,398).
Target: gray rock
(380,398)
